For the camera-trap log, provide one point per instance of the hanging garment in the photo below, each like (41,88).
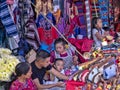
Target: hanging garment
(6,19)
(10,1)
(57,15)
(43,7)
(103,6)
(61,25)
(66,8)
(88,17)
(47,37)
(32,36)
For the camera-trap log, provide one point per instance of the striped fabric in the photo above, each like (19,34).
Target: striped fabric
(6,19)
(88,19)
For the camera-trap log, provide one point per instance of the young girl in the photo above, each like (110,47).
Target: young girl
(23,78)
(62,50)
(98,34)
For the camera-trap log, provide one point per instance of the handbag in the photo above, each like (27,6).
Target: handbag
(93,75)
(83,76)
(110,70)
(96,78)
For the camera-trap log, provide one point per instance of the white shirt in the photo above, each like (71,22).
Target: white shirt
(97,42)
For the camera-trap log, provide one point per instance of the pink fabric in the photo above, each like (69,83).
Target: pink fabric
(10,1)
(16,85)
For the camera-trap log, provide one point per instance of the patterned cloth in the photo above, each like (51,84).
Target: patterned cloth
(17,85)
(6,19)
(61,25)
(88,18)
(103,6)
(32,36)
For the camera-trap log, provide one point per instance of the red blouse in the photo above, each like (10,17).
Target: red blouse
(29,85)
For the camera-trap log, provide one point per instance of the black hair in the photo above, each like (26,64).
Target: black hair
(94,21)
(58,59)
(22,69)
(60,40)
(42,54)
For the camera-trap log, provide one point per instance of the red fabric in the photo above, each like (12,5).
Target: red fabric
(87,45)
(82,45)
(16,85)
(10,1)
(118,27)
(74,85)
(47,36)
(112,33)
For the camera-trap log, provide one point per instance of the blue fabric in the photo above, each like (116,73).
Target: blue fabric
(23,47)
(51,17)
(39,20)
(76,31)
(83,32)
(2,38)
(7,20)
(103,6)
(46,47)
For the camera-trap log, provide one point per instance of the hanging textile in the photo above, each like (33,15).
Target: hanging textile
(43,6)
(61,25)
(2,35)
(28,26)
(32,36)
(47,38)
(82,18)
(88,17)
(66,8)
(6,19)
(103,6)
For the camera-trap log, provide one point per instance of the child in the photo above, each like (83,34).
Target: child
(62,50)
(98,34)
(23,78)
(58,65)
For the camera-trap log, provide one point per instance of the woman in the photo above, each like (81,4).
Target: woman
(23,78)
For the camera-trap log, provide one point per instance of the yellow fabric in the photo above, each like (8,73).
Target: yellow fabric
(43,7)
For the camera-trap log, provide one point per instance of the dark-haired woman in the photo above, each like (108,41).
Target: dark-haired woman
(23,78)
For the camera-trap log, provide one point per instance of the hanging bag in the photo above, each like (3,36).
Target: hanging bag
(94,75)
(110,70)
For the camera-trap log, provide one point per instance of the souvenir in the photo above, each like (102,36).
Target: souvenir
(83,76)
(109,71)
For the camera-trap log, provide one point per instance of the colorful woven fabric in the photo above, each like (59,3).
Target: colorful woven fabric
(103,6)
(6,19)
